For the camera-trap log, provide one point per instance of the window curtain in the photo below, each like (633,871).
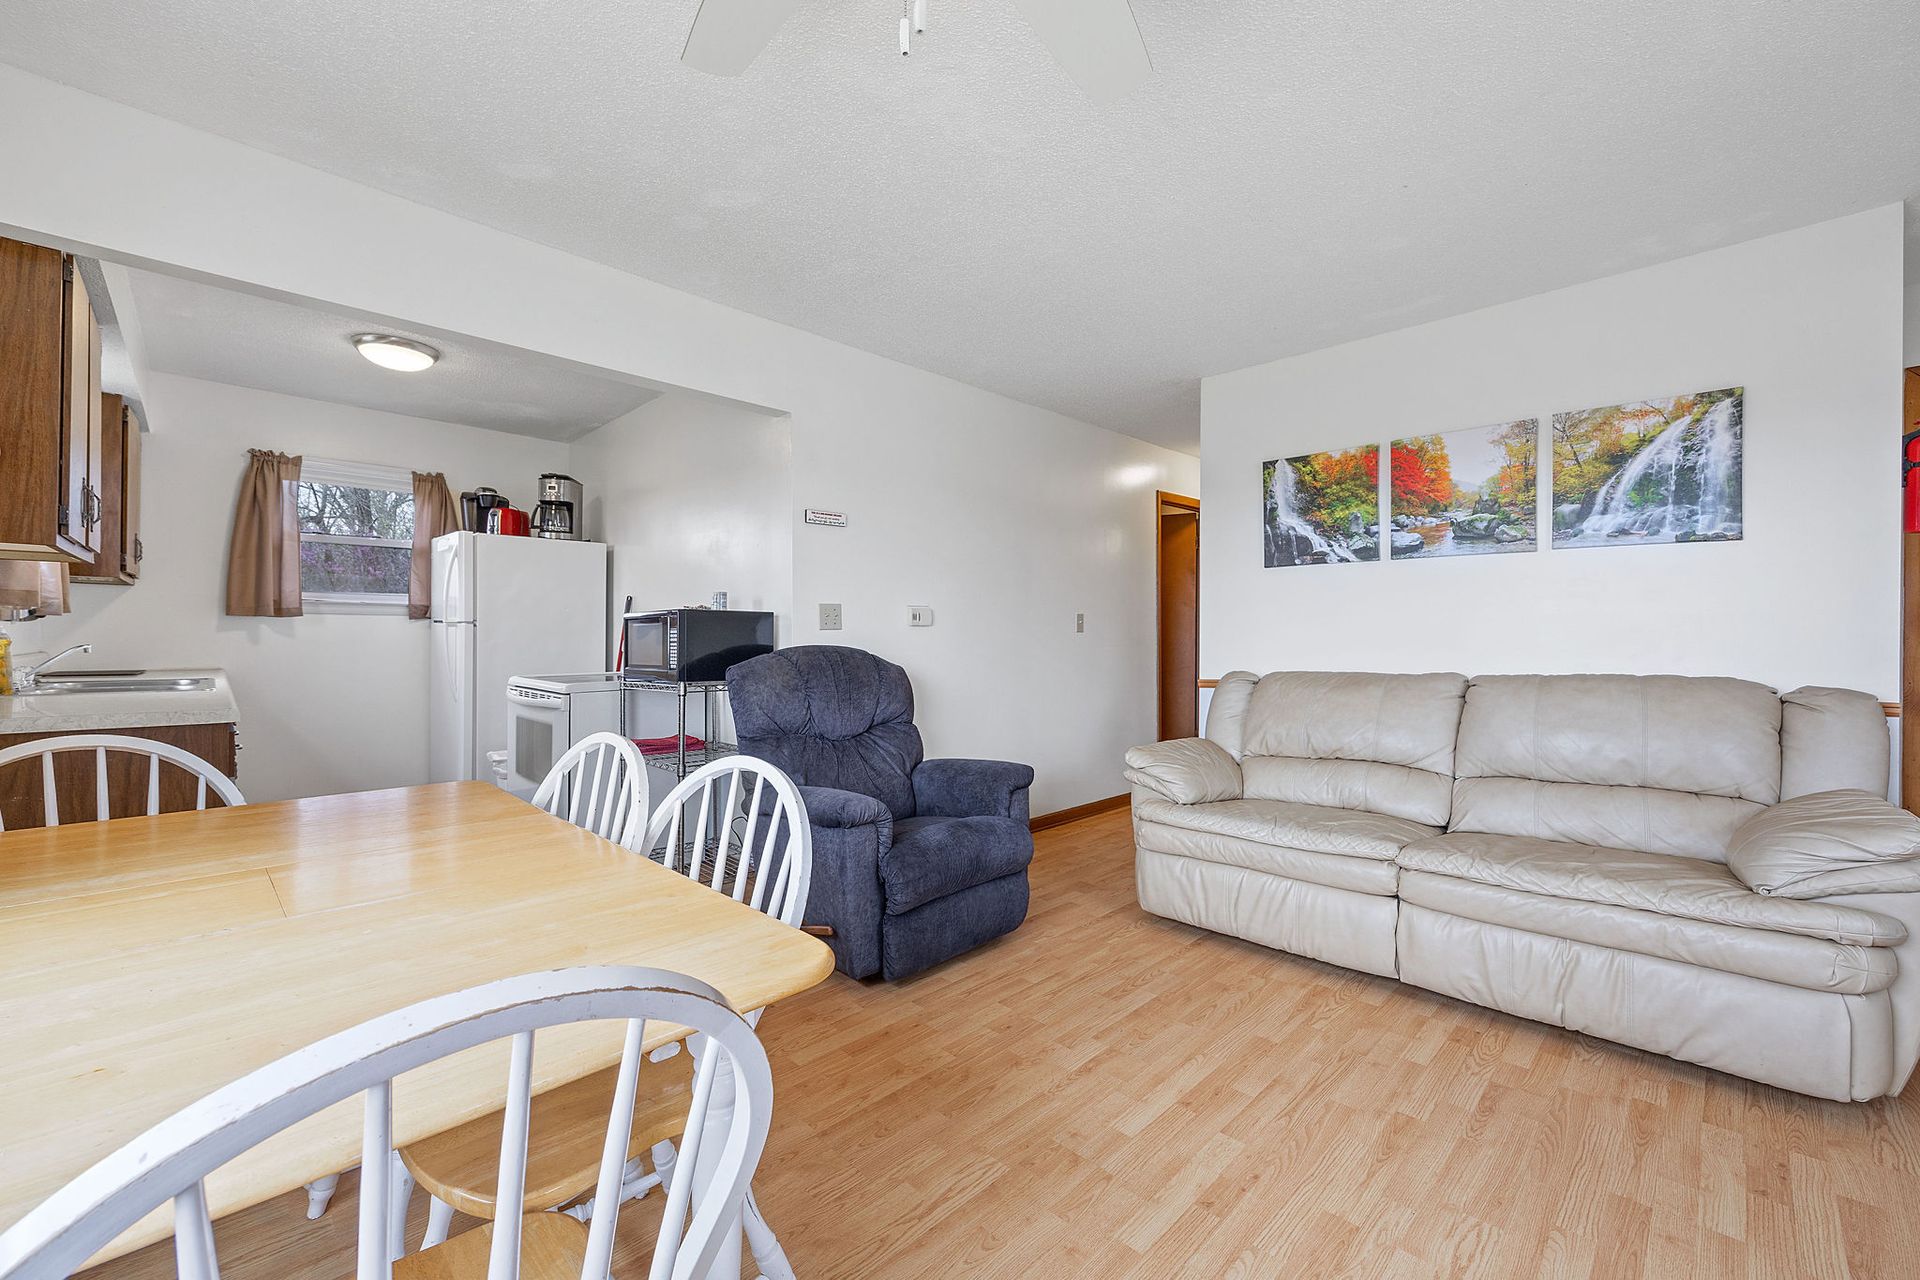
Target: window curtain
(38,585)
(433,515)
(263,561)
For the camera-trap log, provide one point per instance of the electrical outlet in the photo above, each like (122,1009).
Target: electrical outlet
(1079,623)
(919,615)
(829,617)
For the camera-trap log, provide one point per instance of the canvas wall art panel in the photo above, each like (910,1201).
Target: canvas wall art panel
(1463,493)
(1650,472)
(1322,508)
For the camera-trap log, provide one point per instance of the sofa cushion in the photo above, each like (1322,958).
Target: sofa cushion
(1832,739)
(1830,842)
(1354,740)
(1694,888)
(1316,828)
(1375,876)
(933,857)
(1668,764)
(1185,770)
(1227,710)
(1816,964)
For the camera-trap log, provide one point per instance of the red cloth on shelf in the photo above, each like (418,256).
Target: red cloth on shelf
(666,746)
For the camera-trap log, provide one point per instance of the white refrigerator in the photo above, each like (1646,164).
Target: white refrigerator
(504,606)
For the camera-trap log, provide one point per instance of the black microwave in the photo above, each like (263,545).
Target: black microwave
(693,644)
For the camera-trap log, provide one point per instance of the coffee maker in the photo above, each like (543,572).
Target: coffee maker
(559,512)
(475,504)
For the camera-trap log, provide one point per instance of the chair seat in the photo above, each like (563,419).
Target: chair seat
(552,1247)
(1668,884)
(934,857)
(566,1133)
(1315,828)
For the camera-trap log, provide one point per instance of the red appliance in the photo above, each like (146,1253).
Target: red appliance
(509,520)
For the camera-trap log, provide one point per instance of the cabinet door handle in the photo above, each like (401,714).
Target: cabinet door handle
(89,506)
(139,550)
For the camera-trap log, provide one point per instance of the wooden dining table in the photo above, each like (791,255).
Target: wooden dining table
(145,962)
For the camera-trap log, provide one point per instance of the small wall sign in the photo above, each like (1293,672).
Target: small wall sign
(836,519)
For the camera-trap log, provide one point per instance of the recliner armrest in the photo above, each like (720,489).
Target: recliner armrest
(843,810)
(959,788)
(1186,770)
(1828,843)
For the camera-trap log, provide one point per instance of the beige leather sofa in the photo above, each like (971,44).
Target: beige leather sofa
(1700,867)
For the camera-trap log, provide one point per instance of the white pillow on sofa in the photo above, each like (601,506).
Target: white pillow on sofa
(1827,843)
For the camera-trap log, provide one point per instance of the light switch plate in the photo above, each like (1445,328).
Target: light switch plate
(829,617)
(1079,623)
(919,615)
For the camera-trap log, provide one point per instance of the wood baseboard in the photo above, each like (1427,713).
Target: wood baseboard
(1060,817)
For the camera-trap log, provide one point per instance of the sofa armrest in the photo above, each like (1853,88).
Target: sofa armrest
(971,789)
(851,832)
(1828,843)
(1185,770)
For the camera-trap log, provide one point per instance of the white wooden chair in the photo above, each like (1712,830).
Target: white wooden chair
(104,744)
(757,849)
(600,784)
(726,1124)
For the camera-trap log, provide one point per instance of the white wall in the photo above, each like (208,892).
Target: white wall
(1006,518)
(1808,321)
(695,496)
(328,702)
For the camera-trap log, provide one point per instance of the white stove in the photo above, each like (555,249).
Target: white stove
(548,714)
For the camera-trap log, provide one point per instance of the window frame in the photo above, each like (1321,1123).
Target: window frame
(355,475)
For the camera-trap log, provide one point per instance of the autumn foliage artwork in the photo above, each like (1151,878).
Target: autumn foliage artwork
(1650,471)
(1460,493)
(1322,508)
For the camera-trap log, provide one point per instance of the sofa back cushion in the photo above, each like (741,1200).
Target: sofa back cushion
(1661,764)
(1832,740)
(830,717)
(1352,740)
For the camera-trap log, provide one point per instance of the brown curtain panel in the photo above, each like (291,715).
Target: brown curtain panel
(34,584)
(263,562)
(433,515)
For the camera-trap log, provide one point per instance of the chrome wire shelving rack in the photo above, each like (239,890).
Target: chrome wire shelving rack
(682,761)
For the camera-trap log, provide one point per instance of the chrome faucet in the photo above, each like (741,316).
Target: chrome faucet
(30,677)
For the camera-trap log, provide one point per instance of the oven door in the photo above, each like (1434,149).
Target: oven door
(537,736)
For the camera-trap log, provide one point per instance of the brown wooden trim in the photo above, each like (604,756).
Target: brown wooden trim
(1892,709)
(1060,817)
(1171,499)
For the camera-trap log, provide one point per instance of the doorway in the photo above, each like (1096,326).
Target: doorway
(1177,591)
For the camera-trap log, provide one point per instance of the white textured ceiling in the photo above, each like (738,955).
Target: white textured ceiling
(1297,173)
(203,331)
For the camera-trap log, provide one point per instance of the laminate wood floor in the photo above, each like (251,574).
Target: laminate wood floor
(1110,1094)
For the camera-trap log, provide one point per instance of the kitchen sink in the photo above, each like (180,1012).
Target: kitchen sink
(114,682)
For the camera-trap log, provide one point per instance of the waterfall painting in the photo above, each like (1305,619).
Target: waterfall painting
(1651,471)
(1322,508)
(1464,493)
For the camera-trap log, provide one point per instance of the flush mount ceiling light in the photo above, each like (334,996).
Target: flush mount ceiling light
(401,354)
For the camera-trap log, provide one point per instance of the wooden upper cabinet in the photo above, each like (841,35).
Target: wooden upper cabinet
(80,422)
(132,550)
(118,486)
(49,407)
(33,396)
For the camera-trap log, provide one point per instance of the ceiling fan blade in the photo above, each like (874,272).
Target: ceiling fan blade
(727,35)
(1097,42)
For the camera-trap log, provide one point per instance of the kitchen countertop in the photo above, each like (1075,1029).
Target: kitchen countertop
(92,712)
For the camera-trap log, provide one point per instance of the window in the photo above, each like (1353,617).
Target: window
(356,533)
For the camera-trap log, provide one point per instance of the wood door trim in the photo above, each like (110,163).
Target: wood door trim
(1166,497)
(1183,505)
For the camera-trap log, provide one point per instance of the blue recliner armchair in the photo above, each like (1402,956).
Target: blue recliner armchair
(914,860)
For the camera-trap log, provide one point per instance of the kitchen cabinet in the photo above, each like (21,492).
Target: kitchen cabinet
(21,803)
(50,411)
(118,557)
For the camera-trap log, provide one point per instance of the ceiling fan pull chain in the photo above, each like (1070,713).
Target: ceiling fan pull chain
(906,27)
(919,15)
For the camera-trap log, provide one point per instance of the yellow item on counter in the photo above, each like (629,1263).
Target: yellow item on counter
(6,665)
